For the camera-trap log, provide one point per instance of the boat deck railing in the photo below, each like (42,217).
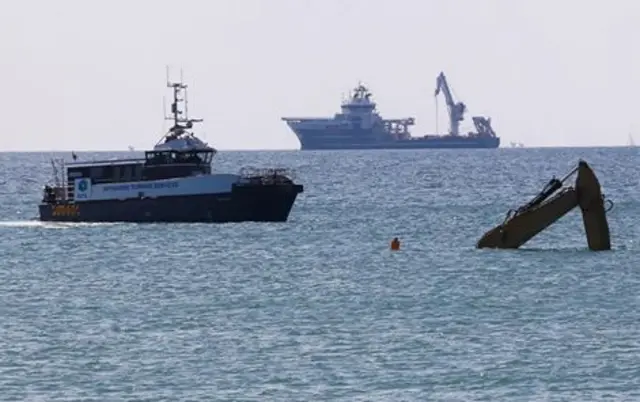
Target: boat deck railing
(267,175)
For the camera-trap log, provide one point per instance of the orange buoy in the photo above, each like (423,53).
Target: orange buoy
(395,244)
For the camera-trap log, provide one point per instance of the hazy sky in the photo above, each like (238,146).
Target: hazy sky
(89,75)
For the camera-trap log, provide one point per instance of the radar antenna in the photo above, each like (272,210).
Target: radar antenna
(181,120)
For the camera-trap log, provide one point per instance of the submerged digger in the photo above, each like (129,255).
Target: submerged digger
(553,202)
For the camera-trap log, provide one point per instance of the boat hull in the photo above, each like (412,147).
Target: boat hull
(313,139)
(266,203)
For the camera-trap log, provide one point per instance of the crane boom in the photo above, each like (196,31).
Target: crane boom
(456,110)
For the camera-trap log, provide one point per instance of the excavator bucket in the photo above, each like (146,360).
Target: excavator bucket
(591,203)
(550,205)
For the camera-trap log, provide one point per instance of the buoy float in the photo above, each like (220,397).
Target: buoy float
(395,244)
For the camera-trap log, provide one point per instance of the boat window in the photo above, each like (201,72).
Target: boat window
(184,158)
(205,156)
(193,158)
(126,172)
(137,175)
(189,157)
(107,172)
(73,173)
(96,172)
(156,158)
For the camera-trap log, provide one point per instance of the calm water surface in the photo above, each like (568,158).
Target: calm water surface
(318,308)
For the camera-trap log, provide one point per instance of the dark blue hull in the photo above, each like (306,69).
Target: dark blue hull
(367,139)
(267,203)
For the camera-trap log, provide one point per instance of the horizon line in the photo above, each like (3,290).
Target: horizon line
(298,149)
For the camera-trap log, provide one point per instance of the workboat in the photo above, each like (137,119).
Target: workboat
(172,183)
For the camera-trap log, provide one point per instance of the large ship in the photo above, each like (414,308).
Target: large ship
(360,126)
(172,183)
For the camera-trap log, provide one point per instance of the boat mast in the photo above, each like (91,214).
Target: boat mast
(181,120)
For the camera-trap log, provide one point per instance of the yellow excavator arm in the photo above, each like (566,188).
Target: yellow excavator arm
(553,202)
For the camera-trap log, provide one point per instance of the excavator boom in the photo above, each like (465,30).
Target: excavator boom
(550,205)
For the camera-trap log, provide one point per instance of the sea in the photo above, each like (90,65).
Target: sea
(319,308)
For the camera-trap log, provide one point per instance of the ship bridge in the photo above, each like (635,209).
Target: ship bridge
(359,102)
(185,142)
(359,106)
(180,150)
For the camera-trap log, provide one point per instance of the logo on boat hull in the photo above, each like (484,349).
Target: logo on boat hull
(82,189)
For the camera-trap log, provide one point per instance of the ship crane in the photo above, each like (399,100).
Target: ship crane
(456,110)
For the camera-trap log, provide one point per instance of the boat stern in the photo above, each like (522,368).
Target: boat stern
(266,195)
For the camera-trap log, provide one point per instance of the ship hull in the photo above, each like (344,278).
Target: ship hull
(368,139)
(267,203)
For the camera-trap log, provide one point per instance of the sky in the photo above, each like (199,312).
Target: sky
(89,75)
